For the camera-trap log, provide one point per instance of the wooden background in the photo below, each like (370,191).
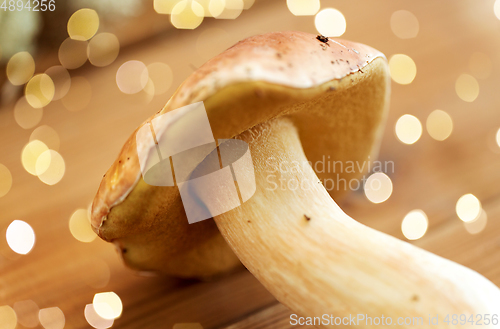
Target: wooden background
(429,175)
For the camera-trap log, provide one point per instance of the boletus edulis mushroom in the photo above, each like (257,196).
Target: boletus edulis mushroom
(295,99)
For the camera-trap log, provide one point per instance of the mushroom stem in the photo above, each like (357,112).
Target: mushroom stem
(317,260)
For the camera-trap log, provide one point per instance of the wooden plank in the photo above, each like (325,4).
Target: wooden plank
(275,316)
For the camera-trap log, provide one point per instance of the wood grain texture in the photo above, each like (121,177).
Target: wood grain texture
(429,175)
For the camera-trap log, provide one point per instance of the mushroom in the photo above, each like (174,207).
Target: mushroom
(295,100)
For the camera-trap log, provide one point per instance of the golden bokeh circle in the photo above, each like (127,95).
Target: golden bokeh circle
(403,69)
(83,24)
(404,24)
(161,76)
(187,14)
(80,227)
(378,187)
(20,68)
(108,305)
(408,129)
(5,180)
(467,88)
(132,77)
(52,318)
(62,80)
(8,317)
(27,313)
(73,53)
(330,22)
(439,125)
(27,116)
(50,167)
(20,237)
(303,7)
(30,154)
(415,225)
(39,91)
(103,49)
(47,135)
(468,208)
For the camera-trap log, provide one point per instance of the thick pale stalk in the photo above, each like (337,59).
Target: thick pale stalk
(317,260)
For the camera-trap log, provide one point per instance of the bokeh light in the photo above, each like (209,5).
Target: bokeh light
(103,49)
(39,90)
(498,137)
(95,320)
(79,226)
(78,96)
(46,135)
(330,22)
(164,6)
(73,53)
(478,225)
(467,88)
(408,129)
(303,7)
(132,77)
(8,317)
(25,115)
(108,305)
(27,313)
(404,24)
(61,79)
(43,162)
(52,318)
(216,7)
(496,8)
(439,125)
(98,274)
(468,208)
(149,91)
(83,24)
(20,237)
(415,224)
(30,154)
(5,180)
(50,167)
(226,9)
(378,187)
(187,15)
(206,7)
(247,4)
(20,68)
(403,69)
(480,65)
(161,76)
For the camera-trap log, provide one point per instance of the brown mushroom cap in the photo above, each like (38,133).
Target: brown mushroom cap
(335,93)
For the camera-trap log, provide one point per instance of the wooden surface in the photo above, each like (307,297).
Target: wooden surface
(429,175)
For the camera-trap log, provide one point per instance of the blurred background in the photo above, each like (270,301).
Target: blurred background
(77,77)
